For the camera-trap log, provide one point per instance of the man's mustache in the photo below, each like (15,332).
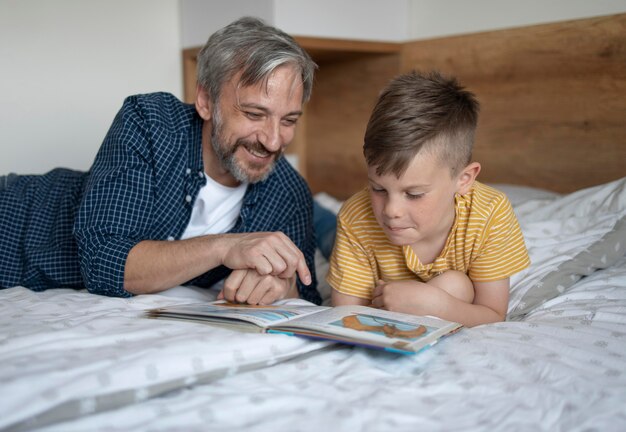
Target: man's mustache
(256,147)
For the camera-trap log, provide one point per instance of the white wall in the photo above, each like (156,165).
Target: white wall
(436,18)
(67,66)
(381,20)
(200,18)
(347,19)
(386,20)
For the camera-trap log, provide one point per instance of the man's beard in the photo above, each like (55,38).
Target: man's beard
(228,160)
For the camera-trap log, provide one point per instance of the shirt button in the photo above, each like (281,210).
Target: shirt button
(188,198)
(188,171)
(170,238)
(200,174)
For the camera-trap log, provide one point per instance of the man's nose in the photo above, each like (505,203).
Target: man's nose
(270,136)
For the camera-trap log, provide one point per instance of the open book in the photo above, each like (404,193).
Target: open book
(355,325)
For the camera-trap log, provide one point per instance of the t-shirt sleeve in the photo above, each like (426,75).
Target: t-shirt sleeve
(503,252)
(352,271)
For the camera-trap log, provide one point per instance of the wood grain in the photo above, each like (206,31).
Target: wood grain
(553,99)
(343,98)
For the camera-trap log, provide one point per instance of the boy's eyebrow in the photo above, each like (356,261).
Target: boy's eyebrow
(404,187)
(266,110)
(417,186)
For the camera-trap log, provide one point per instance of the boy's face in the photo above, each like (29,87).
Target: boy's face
(416,209)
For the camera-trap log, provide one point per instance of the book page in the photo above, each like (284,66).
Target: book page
(259,315)
(371,326)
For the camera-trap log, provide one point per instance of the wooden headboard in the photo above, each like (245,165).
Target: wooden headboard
(553,99)
(553,102)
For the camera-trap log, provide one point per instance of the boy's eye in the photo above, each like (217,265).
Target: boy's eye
(376,189)
(413,196)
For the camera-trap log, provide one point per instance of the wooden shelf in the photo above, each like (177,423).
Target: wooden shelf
(321,50)
(324,50)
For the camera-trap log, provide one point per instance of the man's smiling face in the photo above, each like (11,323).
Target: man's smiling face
(252,126)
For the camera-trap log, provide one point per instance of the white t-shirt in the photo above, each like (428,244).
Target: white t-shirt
(216,209)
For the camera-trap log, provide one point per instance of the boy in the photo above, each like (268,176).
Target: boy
(425,237)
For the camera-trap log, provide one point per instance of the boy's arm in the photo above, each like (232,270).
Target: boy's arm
(341,299)
(493,296)
(490,301)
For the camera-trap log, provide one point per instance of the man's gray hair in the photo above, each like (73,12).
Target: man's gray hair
(254,48)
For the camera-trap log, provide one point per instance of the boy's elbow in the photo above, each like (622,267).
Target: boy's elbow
(340,299)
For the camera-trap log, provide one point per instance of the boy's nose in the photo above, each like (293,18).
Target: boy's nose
(392,209)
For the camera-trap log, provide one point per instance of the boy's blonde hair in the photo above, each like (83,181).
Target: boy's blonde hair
(417,112)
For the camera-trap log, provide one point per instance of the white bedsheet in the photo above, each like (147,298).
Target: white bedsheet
(72,361)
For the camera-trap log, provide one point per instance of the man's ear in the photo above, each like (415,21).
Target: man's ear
(467,177)
(204,106)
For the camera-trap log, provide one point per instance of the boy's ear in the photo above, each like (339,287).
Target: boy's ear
(467,177)
(204,106)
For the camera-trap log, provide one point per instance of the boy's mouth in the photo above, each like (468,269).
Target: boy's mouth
(395,228)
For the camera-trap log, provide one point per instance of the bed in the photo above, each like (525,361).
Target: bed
(72,361)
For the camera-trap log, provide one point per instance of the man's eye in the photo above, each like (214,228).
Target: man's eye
(413,196)
(253,115)
(290,121)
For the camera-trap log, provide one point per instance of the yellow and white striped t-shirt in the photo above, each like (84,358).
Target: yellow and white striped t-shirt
(485,243)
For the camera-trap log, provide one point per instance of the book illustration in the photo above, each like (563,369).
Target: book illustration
(390,328)
(268,315)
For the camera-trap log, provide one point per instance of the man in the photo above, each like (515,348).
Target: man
(181,194)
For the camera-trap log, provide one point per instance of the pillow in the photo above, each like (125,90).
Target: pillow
(325,209)
(520,194)
(321,270)
(568,238)
(328,201)
(325,227)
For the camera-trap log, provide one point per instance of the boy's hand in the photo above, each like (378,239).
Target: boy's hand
(410,297)
(248,286)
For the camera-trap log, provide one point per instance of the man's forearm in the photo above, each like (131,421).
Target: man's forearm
(154,266)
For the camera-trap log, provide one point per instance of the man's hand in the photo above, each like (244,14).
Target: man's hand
(248,286)
(153,266)
(269,253)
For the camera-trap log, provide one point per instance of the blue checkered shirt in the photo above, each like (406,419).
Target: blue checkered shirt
(73,229)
